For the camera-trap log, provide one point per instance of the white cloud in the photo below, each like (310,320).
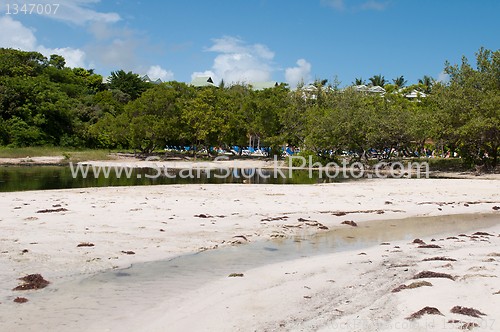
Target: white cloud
(442,77)
(342,5)
(295,75)
(112,47)
(336,4)
(120,48)
(120,53)
(159,72)
(74,57)
(371,4)
(180,47)
(103,31)
(73,11)
(207,73)
(239,62)
(15,35)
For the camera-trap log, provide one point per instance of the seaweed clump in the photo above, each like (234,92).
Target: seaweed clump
(418,284)
(399,288)
(349,222)
(430,246)
(442,258)
(32,281)
(424,311)
(20,300)
(430,274)
(236,275)
(52,210)
(85,244)
(482,234)
(466,311)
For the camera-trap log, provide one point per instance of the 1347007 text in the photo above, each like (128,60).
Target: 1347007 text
(32,8)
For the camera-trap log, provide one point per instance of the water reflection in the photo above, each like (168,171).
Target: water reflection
(21,178)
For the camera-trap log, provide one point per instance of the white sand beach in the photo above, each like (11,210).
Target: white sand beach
(348,290)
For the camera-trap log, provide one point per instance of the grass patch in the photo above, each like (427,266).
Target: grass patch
(442,164)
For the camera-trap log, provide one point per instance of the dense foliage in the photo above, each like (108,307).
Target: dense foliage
(42,102)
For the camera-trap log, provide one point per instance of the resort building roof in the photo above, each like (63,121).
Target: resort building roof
(202,81)
(258,86)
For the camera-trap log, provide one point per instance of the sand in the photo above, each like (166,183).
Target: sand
(314,293)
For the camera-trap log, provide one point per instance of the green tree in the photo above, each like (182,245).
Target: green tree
(469,107)
(359,81)
(378,80)
(129,83)
(57,61)
(427,82)
(400,81)
(93,82)
(19,63)
(205,116)
(35,109)
(150,121)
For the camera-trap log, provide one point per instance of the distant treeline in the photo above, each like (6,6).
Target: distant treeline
(42,102)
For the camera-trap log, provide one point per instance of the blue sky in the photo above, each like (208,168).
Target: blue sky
(262,40)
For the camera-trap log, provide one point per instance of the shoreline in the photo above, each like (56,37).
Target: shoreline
(235,163)
(160,222)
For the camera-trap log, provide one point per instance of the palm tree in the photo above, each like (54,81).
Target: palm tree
(427,81)
(222,84)
(359,81)
(399,82)
(378,80)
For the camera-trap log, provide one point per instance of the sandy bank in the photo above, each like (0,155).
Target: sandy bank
(158,222)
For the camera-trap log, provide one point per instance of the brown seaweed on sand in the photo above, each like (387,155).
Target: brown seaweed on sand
(465,326)
(466,311)
(305,220)
(128,252)
(275,218)
(424,311)
(399,288)
(482,233)
(52,210)
(32,281)
(442,258)
(496,208)
(201,215)
(418,284)
(20,300)
(85,244)
(430,246)
(349,222)
(339,214)
(430,274)
(418,241)
(236,275)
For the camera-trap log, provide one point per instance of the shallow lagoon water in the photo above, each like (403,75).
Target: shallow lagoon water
(102,301)
(21,178)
